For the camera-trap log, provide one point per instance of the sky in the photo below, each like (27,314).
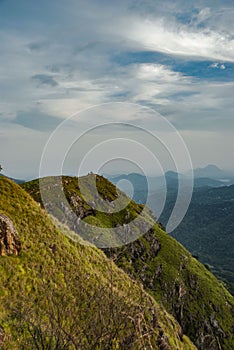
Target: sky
(123,62)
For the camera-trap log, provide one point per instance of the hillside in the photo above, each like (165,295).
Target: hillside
(103,210)
(207,228)
(198,301)
(144,189)
(15,180)
(57,294)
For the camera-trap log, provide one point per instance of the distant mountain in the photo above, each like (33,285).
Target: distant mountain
(214,172)
(210,170)
(139,183)
(148,184)
(138,180)
(144,186)
(172,175)
(207,182)
(203,225)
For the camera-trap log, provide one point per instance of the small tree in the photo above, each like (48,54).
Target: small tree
(0,168)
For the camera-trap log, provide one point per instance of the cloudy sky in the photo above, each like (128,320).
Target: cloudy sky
(60,57)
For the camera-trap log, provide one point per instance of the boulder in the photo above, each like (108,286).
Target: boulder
(9,239)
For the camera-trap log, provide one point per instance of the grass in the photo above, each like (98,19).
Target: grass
(203,298)
(72,296)
(176,280)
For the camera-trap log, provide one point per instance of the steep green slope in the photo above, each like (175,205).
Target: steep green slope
(200,303)
(105,208)
(207,229)
(15,180)
(57,294)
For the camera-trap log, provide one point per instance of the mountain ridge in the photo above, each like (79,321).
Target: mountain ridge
(58,294)
(18,181)
(168,272)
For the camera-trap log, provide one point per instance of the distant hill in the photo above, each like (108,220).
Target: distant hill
(139,184)
(215,173)
(202,227)
(207,182)
(165,269)
(207,228)
(146,185)
(210,170)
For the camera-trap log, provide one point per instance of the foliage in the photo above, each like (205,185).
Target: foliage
(200,303)
(207,229)
(58,294)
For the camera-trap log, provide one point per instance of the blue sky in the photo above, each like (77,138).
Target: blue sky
(60,57)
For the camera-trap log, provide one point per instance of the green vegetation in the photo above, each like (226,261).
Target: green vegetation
(58,294)
(207,228)
(200,303)
(61,194)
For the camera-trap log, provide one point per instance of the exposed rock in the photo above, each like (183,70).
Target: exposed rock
(2,336)
(78,205)
(53,248)
(138,249)
(192,280)
(155,245)
(214,323)
(9,239)
(163,341)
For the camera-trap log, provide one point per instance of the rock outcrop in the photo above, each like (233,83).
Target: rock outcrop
(2,336)
(9,239)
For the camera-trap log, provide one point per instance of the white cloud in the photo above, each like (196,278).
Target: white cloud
(153,84)
(177,39)
(158,73)
(203,15)
(218,65)
(214,65)
(75,45)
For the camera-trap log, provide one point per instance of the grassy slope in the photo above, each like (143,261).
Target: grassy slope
(96,218)
(207,228)
(187,289)
(72,289)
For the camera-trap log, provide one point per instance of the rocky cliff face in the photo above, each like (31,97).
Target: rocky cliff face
(144,249)
(9,239)
(187,290)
